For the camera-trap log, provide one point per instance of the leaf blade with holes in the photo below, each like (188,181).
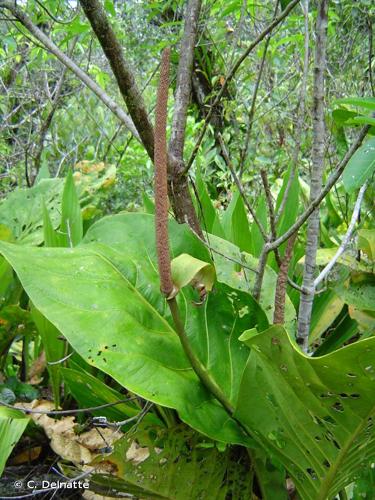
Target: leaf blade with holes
(304,408)
(22,210)
(97,291)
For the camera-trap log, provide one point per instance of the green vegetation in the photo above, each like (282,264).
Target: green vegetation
(187,249)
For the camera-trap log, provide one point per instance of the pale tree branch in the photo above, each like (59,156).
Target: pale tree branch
(69,63)
(319,135)
(345,241)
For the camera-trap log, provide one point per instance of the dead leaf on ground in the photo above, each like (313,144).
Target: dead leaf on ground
(79,449)
(137,454)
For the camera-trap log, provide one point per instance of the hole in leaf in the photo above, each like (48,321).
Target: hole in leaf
(338,406)
(329,419)
(327,395)
(353,375)
(355,396)
(344,395)
(326,464)
(312,473)
(336,444)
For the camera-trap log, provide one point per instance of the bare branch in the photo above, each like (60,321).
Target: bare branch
(269,200)
(262,262)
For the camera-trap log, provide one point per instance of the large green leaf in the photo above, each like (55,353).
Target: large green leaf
(360,295)
(236,224)
(207,213)
(135,233)
(177,464)
(12,425)
(109,307)
(362,102)
(315,415)
(257,240)
(22,211)
(245,278)
(360,167)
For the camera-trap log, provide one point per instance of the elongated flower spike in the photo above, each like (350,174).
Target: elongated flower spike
(161,185)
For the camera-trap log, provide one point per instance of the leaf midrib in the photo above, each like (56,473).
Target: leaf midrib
(326,484)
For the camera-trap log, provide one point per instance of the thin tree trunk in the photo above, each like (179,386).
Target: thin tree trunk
(181,201)
(312,242)
(126,82)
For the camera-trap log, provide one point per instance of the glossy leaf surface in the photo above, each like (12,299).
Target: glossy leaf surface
(360,167)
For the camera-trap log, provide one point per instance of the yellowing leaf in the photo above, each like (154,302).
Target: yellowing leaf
(189,270)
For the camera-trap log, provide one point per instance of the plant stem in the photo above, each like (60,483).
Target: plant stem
(197,366)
